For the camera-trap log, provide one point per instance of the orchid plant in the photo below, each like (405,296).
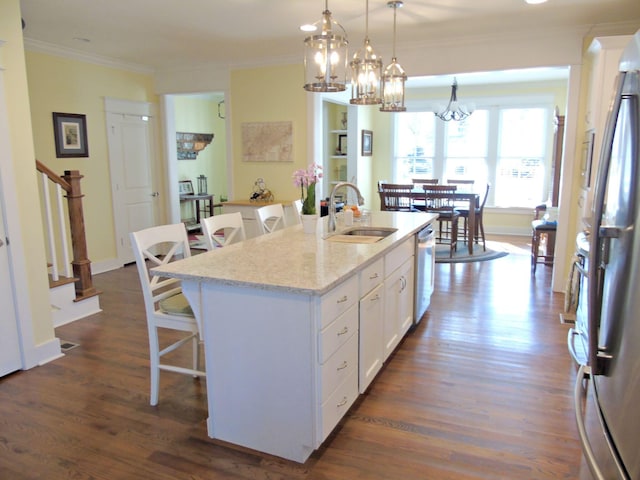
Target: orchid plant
(306,180)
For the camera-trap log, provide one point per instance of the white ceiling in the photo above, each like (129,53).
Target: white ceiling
(169,34)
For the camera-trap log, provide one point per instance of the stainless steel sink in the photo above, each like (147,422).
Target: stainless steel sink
(369,231)
(361,234)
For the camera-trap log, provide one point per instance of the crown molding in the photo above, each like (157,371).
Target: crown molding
(56,50)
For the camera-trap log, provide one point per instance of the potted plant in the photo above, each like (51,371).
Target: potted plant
(306,180)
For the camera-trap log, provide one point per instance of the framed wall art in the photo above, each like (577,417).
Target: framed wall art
(70,134)
(367,143)
(342,145)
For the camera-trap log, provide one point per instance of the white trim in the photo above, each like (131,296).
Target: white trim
(48,351)
(18,268)
(105,266)
(58,51)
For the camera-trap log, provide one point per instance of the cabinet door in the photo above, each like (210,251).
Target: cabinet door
(371,336)
(398,305)
(393,285)
(405,303)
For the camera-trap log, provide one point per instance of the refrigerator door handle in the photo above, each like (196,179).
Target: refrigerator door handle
(578,394)
(596,271)
(571,345)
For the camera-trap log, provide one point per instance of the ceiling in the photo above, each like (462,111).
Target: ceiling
(170,34)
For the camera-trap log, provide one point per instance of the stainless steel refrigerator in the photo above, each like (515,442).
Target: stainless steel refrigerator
(607,394)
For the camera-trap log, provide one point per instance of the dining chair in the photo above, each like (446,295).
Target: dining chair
(165,305)
(297,210)
(222,230)
(479,227)
(543,235)
(270,218)
(396,197)
(438,199)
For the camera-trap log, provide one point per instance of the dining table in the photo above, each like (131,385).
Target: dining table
(471,199)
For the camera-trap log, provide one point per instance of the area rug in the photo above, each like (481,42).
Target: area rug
(494,250)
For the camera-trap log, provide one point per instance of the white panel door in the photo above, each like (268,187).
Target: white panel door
(134,196)
(10,359)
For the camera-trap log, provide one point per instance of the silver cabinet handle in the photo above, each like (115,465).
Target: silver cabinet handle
(343,366)
(155,194)
(342,300)
(374,276)
(343,331)
(342,402)
(375,299)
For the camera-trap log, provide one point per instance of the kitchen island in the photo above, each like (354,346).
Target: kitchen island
(295,326)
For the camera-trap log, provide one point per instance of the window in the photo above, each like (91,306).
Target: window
(507,146)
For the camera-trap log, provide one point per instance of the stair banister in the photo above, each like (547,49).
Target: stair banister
(70,183)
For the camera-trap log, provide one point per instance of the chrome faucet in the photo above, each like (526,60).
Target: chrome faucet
(332,202)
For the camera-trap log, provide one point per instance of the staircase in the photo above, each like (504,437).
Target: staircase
(71,293)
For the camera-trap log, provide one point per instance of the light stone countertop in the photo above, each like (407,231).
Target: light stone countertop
(291,261)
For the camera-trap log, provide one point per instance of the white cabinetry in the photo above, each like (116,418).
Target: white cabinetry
(398,295)
(338,354)
(371,323)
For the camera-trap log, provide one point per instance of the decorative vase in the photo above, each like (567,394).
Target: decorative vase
(309,223)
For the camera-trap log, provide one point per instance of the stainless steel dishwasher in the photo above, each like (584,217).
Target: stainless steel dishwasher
(425,271)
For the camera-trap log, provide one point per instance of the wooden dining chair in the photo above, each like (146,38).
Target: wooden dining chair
(396,197)
(479,227)
(438,199)
(165,305)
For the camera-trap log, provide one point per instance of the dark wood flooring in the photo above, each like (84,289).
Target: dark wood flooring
(481,389)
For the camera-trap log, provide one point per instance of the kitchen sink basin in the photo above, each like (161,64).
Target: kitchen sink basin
(362,234)
(369,231)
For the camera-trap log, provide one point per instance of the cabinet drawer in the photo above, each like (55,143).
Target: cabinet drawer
(337,333)
(338,300)
(339,366)
(398,255)
(371,277)
(337,404)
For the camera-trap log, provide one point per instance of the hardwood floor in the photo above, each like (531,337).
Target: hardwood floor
(481,389)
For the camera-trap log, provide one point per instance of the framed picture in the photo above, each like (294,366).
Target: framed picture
(367,143)
(70,134)
(342,145)
(186,187)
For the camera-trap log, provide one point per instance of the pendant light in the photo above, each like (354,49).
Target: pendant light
(394,77)
(366,71)
(454,110)
(325,57)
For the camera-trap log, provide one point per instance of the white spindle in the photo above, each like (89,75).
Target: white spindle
(63,235)
(49,222)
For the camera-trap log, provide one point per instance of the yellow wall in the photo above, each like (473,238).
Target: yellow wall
(196,114)
(63,85)
(269,94)
(17,98)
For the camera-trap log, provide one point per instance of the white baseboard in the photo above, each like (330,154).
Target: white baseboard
(105,266)
(48,351)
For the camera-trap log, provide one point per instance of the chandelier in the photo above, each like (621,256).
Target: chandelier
(454,110)
(366,71)
(325,58)
(394,77)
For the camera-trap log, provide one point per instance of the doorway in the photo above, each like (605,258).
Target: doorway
(208,169)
